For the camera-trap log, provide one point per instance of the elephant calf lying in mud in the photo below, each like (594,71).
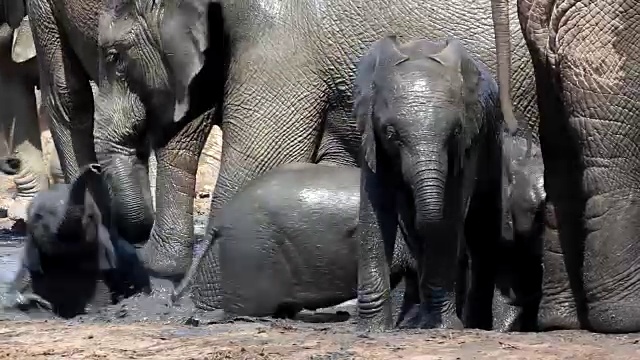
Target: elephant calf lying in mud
(72,260)
(284,243)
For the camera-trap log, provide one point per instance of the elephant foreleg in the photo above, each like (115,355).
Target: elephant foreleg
(169,250)
(21,134)
(66,93)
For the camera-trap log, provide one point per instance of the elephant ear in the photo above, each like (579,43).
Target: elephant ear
(184,33)
(14,11)
(22,47)
(382,55)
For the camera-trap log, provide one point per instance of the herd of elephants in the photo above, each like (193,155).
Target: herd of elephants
(485,153)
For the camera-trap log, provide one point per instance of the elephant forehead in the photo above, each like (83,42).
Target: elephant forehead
(426,86)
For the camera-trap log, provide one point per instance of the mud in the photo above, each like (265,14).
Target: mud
(148,327)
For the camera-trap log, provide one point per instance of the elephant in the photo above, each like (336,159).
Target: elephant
(519,275)
(73,261)
(280,81)
(21,148)
(286,243)
(585,60)
(431,130)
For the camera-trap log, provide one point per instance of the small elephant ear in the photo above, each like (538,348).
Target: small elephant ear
(382,53)
(31,257)
(185,36)
(22,47)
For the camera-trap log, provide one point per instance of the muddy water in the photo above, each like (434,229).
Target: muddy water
(155,307)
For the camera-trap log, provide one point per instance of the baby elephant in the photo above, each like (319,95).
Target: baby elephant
(285,243)
(519,279)
(72,260)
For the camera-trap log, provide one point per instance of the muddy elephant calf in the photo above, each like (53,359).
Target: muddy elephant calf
(285,243)
(72,261)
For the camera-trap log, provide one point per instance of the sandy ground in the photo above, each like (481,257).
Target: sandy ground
(281,340)
(155,338)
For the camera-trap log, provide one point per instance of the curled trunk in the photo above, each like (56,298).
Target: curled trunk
(126,174)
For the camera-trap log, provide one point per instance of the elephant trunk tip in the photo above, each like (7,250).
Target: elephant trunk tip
(11,165)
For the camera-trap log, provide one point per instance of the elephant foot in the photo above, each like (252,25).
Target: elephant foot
(615,316)
(166,263)
(558,317)
(424,319)
(17,210)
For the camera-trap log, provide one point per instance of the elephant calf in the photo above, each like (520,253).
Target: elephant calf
(71,260)
(519,276)
(284,243)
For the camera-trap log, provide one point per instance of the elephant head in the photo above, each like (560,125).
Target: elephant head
(418,112)
(525,198)
(65,227)
(154,88)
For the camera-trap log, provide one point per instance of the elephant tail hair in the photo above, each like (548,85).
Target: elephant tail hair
(185,283)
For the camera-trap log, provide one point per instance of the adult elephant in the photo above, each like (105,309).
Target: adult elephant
(66,38)
(19,125)
(285,72)
(586,60)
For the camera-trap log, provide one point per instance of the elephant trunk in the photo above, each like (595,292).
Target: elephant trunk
(429,179)
(168,252)
(500,15)
(124,162)
(126,174)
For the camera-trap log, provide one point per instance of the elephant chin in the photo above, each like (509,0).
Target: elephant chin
(132,203)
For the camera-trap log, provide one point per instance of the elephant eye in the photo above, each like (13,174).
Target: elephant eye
(391,134)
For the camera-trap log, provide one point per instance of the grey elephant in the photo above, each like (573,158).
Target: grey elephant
(286,242)
(519,272)
(20,148)
(73,260)
(586,80)
(431,131)
(288,94)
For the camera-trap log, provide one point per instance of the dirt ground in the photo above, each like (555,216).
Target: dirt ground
(57,340)
(53,339)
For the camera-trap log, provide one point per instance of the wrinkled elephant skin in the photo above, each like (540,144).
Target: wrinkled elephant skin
(297,252)
(286,77)
(586,59)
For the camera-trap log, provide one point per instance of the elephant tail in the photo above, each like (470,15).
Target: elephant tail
(185,283)
(500,15)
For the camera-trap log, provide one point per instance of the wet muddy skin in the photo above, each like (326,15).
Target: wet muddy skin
(147,327)
(155,307)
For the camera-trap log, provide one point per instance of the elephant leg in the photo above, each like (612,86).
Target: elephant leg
(177,164)
(32,177)
(65,90)
(20,121)
(562,292)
